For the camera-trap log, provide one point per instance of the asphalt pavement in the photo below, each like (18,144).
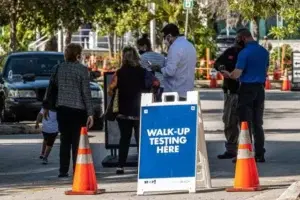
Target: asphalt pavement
(22,176)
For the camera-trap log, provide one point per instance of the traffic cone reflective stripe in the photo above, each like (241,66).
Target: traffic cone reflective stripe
(84,182)
(244,154)
(244,137)
(286,84)
(267,84)
(246,174)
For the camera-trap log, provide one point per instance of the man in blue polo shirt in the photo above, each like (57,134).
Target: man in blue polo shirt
(251,70)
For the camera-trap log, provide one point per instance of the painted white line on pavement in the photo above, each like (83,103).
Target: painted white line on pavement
(292,193)
(36,171)
(121,176)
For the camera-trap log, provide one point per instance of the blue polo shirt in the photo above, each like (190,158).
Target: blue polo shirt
(254,61)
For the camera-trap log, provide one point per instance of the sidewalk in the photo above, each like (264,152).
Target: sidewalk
(41,183)
(205,84)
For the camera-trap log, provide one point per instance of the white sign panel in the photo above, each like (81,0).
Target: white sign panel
(296,67)
(173,144)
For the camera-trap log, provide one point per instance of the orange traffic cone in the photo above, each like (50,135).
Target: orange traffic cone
(286,84)
(213,82)
(84,182)
(267,84)
(246,174)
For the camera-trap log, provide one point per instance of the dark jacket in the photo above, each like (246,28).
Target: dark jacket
(228,59)
(131,82)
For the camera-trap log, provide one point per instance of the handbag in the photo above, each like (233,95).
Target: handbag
(113,107)
(51,94)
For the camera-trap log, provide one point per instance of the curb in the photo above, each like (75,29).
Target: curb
(13,129)
(292,193)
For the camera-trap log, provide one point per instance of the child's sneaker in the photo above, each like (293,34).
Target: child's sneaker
(45,161)
(120,170)
(41,157)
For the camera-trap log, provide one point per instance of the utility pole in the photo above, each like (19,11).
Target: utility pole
(187,5)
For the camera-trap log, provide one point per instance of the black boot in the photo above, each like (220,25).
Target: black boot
(260,158)
(226,155)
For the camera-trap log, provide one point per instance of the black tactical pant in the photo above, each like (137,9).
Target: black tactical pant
(231,122)
(251,109)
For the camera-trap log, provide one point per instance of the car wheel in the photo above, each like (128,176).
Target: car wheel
(4,117)
(98,124)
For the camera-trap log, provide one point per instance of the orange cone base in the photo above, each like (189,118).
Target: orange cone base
(100,191)
(251,189)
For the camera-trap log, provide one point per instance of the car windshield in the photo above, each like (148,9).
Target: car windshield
(40,65)
(226,40)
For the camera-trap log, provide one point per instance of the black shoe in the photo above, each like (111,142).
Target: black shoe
(226,155)
(260,159)
(234,160)
(41,157)
(63,175)
(120,170)
(45,161)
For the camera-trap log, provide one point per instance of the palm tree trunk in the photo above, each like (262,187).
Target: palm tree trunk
(13,26)
(256,27)
(110,45)
(68,36)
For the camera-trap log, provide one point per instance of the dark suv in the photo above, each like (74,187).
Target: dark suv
(24,80)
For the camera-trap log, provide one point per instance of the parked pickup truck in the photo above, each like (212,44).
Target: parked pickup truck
(23,84)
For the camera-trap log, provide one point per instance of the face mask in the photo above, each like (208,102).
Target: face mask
(167,41)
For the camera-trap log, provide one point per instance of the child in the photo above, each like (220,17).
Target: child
(50,132)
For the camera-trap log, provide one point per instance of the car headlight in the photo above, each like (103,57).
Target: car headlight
(21,94)
(96,94)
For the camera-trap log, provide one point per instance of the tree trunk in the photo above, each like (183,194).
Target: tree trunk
(115,44)
(68,36)
(13,26)
(110,45)
(51,45)
(256,28)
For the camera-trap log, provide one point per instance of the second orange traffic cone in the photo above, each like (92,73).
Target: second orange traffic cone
(84,182)
(267,84)
(246,174)
(213,82)
(286,84)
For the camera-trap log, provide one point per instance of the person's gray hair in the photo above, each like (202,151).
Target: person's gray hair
(244,32)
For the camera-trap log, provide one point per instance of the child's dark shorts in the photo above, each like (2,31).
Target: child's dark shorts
(50,138)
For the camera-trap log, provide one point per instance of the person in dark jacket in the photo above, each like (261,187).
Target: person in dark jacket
(227,61)
(130,82)
(69,93)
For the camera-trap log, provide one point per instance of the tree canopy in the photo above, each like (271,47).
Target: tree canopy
(23,18)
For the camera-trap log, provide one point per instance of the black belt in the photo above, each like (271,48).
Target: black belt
(252,84)
(229,92)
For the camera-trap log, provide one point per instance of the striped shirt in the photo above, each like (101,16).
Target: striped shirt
(155,59)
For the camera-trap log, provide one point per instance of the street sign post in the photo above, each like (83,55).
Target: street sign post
(187,5)
(296,71)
